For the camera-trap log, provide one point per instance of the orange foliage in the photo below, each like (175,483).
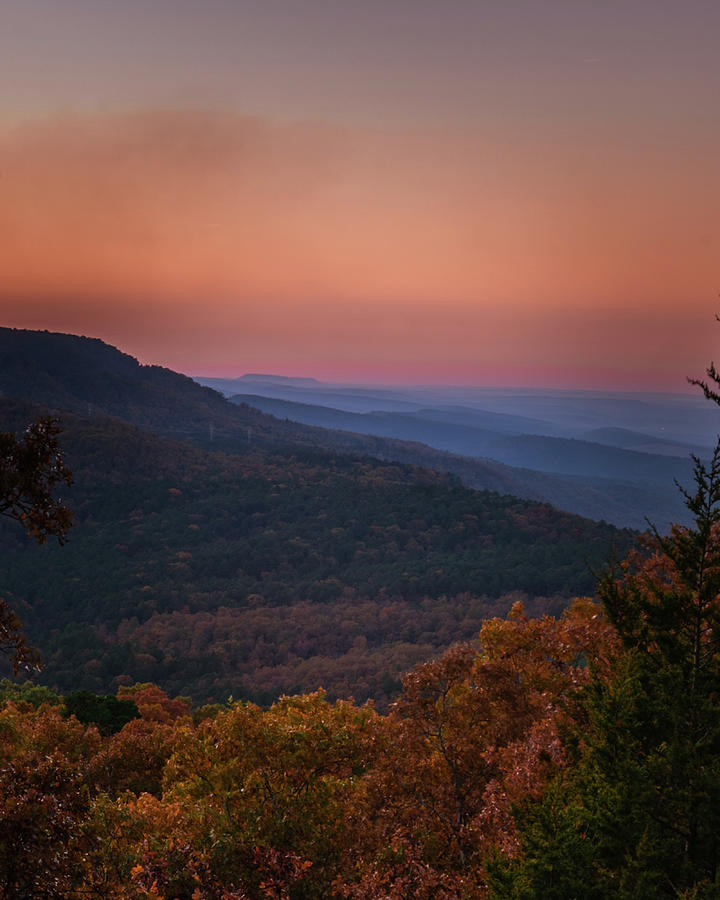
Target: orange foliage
(306,798)
(153,703)
(471,734)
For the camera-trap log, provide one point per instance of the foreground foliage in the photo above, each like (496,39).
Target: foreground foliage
(566,757)
(304,799)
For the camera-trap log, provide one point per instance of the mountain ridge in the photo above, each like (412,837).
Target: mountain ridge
(52,369)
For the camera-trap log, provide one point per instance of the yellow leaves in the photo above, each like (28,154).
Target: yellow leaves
(279,778)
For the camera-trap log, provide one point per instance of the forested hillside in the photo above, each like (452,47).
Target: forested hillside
(560,757)
(261,573)
(595,479)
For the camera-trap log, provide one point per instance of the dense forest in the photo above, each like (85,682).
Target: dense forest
(255,574)
(220,552)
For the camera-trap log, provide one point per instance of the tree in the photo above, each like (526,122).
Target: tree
(29,472)
(255,801)
(108,713)
(638,815)
(30,469)
(44,800)
(471,734)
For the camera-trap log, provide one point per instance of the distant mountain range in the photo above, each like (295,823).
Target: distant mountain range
(506,443)
(684,419)
(590,478)
(492,452)
(613,456)
(53,370)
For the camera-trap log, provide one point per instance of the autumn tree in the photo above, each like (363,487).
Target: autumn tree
(30,469)
(153,703)
(255,802)
(44,800)
(470,735)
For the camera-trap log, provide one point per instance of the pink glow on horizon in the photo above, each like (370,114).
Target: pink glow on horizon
(510,376)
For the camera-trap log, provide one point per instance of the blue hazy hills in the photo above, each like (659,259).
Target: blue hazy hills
(615,456)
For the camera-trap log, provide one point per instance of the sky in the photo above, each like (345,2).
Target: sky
(461,192)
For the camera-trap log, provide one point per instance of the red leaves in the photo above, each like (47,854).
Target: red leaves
(279,870)
(44,801)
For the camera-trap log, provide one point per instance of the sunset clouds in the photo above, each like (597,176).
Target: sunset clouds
(219,238)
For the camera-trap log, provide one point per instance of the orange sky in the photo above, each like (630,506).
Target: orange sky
(560,229)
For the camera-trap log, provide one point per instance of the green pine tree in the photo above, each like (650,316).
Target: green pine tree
(637,814)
